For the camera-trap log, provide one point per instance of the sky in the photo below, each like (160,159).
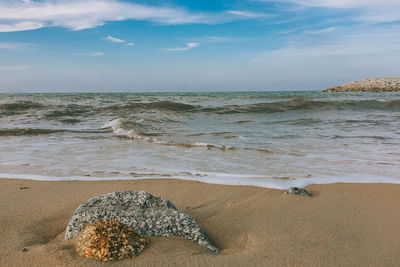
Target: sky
(195,45)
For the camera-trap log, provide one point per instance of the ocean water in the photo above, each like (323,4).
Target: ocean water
(271,139)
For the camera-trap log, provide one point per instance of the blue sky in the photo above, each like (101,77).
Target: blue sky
(204,45)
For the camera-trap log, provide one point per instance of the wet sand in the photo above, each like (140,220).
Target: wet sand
(343,225)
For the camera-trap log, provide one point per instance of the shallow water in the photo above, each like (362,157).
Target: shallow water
(273,139)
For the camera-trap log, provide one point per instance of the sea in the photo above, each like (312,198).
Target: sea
(268,139)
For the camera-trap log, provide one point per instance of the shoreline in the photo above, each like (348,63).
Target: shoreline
(343,225)
(279,183)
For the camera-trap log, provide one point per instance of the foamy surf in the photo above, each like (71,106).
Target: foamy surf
(225,179)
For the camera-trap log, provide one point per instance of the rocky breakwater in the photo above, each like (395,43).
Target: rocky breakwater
(369,85)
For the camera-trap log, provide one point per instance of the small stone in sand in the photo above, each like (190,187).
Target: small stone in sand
(109,240)
(298,191)
(23,187)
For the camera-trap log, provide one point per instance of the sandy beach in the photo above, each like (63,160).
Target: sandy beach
(222,112)
(343,225)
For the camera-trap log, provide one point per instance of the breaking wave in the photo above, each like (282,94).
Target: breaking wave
(120,128)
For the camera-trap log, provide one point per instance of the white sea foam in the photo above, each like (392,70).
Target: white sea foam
(225,179)
(117,125)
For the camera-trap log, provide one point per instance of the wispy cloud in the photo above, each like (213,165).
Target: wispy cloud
(217,39)
(10,46)
(20,15)
(20,26)
(91,54)
(117,40)
(185,48)
(372,11)
(114,40)
(320,31)
(343,3)
(247,14)
(13,67)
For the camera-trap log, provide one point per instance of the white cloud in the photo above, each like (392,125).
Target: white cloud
(192,45)
(18,15)
(20,26)
(13,67)
(114,40)
(117,40)
(187,47)
(321,31)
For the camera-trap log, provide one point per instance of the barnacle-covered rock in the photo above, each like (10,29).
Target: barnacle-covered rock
(144,213)
(109,240)
(298,191)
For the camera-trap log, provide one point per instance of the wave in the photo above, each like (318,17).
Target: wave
(39,131)
(70,121)
(211,146)
(296,104)
(27,131)
(68,111)
(18,106)
(376,137)
(302,104)
(158,105)
(222,134)
(302,121)
(119,128)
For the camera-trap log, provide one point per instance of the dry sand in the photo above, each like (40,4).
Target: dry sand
(343,225)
